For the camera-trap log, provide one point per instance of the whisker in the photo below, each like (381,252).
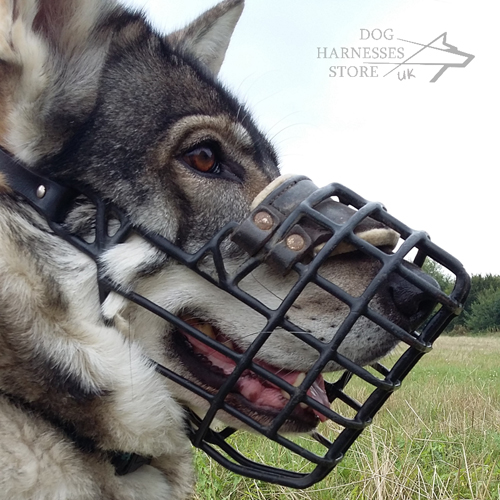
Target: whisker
(265,287)
(273,138)
(130,340)
(297,332)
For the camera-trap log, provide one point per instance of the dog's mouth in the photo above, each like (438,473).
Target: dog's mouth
(252,394)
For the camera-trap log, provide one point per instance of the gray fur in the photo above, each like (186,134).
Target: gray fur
(90,94)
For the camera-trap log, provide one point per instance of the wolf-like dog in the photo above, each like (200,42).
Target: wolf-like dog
(91,94)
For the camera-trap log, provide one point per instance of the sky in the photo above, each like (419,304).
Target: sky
(427,150)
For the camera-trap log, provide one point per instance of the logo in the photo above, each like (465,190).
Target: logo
(402,59)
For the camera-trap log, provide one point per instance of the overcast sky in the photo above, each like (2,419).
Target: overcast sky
(428,151)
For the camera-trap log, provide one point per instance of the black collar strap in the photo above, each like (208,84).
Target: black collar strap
(52,200)
(125,463)
(49,198)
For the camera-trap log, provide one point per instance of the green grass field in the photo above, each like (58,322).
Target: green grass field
(436,438)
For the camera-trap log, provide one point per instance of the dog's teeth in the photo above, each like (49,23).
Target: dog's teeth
(285,394)
(303,405)
(228,344)
(207,330)
(299,380)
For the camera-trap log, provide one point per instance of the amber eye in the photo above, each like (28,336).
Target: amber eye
(203,159)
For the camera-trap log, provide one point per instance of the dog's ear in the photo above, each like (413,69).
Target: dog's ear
(208,36)
(50,57)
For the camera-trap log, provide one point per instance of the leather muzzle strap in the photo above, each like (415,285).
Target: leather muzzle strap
(262,231)
(49,198)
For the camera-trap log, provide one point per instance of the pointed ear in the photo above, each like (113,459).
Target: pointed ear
(208,36)
(50,57)
(34,27)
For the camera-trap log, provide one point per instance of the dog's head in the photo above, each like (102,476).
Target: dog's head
(93,98)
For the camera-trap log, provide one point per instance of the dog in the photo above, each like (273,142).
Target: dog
(91,94)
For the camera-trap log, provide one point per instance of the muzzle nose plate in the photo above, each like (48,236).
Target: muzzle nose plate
(278,224)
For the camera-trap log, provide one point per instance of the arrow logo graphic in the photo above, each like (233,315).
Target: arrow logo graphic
(437,53)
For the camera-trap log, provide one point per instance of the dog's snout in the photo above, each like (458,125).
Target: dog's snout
(412,302)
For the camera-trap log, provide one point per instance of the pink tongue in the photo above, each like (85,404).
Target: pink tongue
(318,393)
(251,387)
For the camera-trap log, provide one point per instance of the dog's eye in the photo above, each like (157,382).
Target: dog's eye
(203,159)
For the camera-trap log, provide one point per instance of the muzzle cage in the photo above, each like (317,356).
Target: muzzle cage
(264,246)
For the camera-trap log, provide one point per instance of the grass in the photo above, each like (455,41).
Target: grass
(437,438)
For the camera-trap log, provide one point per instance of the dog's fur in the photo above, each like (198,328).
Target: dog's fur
(91,94)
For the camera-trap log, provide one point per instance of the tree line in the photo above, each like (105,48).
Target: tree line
(481,309)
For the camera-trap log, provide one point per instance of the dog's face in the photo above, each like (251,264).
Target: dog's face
(106,102)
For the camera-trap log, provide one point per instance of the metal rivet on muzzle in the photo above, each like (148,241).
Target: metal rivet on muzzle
(41,191)
(263,220)
(295,242)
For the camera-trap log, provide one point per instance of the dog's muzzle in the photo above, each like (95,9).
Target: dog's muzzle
(294,227)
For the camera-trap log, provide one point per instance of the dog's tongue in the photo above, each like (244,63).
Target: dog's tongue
(255,389)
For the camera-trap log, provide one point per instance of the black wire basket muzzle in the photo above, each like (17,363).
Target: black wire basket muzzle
(295,228)
(298,227)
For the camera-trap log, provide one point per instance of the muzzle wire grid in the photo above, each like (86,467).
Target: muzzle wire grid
(303,215)
(214,443)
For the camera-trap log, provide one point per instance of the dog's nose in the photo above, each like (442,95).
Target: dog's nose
(413,303)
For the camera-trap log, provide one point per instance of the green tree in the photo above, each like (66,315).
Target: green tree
(438,272)
(480,285)
(484,312)
(482,307)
